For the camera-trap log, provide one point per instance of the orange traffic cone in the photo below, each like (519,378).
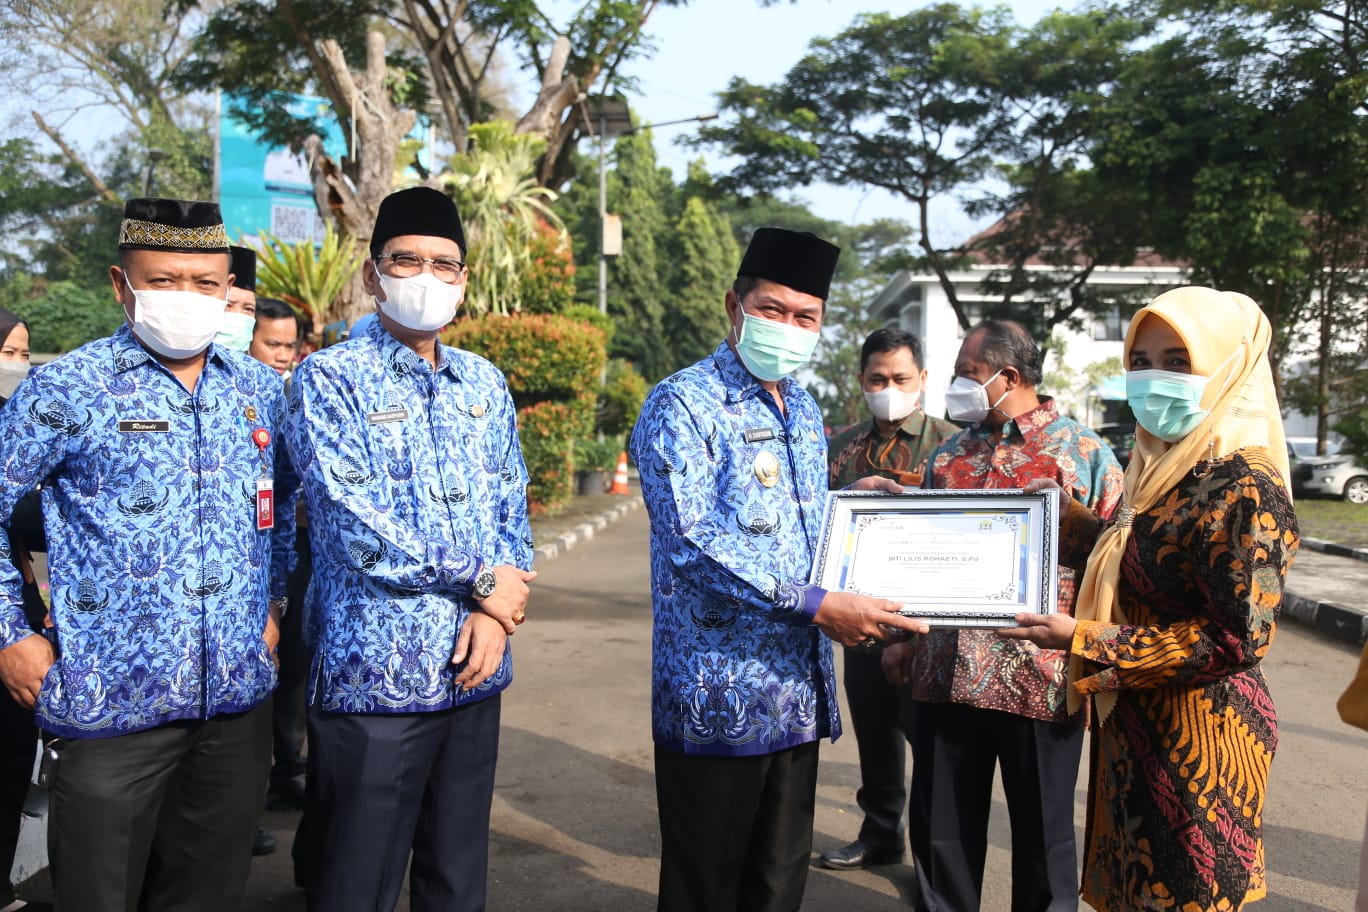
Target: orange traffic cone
(620,477)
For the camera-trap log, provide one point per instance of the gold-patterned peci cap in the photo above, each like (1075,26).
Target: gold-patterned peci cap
(184,226)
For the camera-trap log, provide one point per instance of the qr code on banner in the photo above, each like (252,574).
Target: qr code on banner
(292,224)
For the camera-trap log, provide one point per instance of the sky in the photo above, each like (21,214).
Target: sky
(699,48)
(702,46)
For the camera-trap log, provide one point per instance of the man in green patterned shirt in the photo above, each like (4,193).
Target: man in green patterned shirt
(894,443)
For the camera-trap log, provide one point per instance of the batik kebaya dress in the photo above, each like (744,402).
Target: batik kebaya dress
(1180,767)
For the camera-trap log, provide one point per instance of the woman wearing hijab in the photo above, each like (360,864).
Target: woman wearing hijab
(18,733)
(14,353)
(1176,610)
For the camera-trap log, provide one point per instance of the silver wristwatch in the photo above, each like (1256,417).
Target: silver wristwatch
(483,586)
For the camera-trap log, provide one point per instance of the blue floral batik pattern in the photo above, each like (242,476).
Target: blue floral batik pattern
(414,480)
(160,578)
(735,492)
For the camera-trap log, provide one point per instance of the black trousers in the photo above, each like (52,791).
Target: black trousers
(881,716)
(381,786)
(957,749)
(166,814)
(18,744)
(289,719)
(736,832)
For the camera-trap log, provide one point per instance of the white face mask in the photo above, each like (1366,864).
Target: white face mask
(892,403)
(967,400)
(176,324)
(422,303)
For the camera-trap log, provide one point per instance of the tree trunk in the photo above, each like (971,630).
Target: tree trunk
(379,128)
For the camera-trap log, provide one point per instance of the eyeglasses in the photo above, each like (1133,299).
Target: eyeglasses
(405,265)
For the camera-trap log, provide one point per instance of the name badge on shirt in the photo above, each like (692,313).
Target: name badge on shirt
(388,415)
(265,504)
(755,435)
(159,426)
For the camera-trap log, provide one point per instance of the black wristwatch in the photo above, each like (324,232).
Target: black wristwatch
(483,586)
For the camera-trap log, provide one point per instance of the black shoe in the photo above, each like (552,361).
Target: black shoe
(858,855)
(286,795)
(263,843)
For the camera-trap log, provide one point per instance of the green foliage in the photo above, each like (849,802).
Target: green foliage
(863,269)
(704,256)
(546,450)
(1354,430)
(620,400)
(664,293)
(548,285)
(68,316)
(552,365)
(594,455)
(641,192)
(264,51)
(503,211)
(308,278)
(543,356)
(594,317)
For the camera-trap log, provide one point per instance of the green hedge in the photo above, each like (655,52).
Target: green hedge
(553,365)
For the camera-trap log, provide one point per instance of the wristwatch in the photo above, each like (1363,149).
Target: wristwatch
(281,605)
(483,586)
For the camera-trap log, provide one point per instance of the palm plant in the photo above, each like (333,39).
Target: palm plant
(308,278)
(502,207)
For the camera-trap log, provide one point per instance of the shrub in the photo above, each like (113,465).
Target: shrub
(547,285)
(310,279)
(592,455)
(67,316)
(619,401)
(544,356)
(546,450)
(587,313)
(553,365)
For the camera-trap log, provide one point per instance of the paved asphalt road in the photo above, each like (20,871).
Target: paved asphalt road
(574,826)
(574,811)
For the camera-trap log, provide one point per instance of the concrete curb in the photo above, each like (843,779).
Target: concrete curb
(1316,544)
(559,544)
(1347,625)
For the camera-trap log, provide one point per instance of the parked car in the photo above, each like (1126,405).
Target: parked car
(1121,439)
(1334,474)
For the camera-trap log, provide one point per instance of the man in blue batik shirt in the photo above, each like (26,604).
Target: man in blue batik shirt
(417,497)
(734,472)
(169,508)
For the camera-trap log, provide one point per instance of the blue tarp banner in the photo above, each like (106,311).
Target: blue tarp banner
(264,188)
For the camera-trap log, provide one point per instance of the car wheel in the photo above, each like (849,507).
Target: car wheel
(1356,489)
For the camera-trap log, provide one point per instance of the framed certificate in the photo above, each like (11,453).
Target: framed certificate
(954,558)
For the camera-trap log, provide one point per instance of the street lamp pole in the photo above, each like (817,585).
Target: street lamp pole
(603,213)
(614,119)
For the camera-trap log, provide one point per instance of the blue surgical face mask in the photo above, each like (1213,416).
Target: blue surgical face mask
(236,331)
(1166,403)
(772,350)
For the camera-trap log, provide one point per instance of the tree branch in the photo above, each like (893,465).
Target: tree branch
(76,159)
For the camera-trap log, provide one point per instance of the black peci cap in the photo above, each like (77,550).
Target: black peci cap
(184,226)
(797,259)
(417,210)
(243,267)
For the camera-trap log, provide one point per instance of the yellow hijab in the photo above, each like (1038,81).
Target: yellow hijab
(1227,339)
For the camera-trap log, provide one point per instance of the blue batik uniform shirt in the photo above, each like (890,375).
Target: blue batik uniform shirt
(160,578)
(735,491)
(414,480)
